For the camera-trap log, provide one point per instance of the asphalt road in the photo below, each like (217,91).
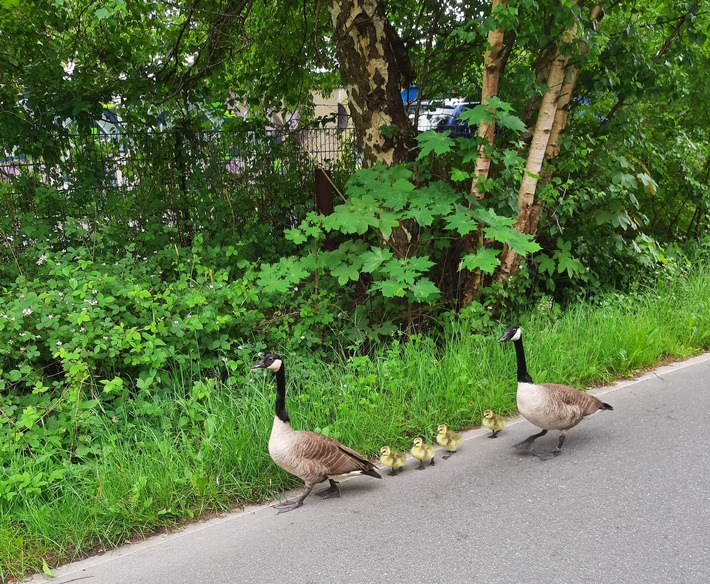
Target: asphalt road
(627,501)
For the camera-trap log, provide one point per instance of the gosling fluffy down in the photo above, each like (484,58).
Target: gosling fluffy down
(422,452)
(392,459)
(448,439)
(493,422)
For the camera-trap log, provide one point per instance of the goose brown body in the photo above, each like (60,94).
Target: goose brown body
(549,406)
(310,456)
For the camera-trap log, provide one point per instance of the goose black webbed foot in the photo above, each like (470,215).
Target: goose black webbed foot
(332,492)
(287,506)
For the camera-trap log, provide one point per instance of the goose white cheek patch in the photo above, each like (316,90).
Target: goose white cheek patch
(276,365)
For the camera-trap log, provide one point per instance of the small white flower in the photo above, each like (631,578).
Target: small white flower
(302,337)
(240,347)
(59,343)
(41,260)
(50,316)
(26,312)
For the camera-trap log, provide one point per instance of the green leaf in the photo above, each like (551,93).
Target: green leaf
(522,243)
(461,222)
(295,235)
(46,569)
(458,175)
(545,263)
(476,115)
(345,273)
(484,259)
(424,290)
(434,142)
(512,122)
(389,288)
(372,260)
(388,221)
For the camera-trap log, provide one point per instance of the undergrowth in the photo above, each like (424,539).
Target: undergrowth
(195,445)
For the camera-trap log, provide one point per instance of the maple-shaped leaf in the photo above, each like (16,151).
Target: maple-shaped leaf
(350,219)
(389,288)
(483,259)
(458,175)
(420,263)
(436,142)
(512,122)
(546,263)
(462,222)
(295,235)
(424,290)
(499,233)
(476,115)
(388,221)
(522,243)
(344,273)
(372,260)
(498,104)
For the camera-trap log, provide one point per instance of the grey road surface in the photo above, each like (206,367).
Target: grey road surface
(628,501)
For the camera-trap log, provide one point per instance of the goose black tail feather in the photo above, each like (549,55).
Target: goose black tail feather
(371,472)
(606,406)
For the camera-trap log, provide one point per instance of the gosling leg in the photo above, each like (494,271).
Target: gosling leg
(494,434)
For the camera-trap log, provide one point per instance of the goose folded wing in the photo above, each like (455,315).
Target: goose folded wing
(587,404)
(331,456)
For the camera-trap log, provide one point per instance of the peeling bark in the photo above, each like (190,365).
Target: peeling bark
(528,215)
(374,66)
(486,130)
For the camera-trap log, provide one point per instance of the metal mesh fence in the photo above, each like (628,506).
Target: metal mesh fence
(168,169)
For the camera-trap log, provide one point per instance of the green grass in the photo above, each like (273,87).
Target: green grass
(201,449)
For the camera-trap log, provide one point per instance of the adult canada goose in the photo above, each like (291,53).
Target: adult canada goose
(395,460)
(549,406)
(422,452)
(448,439)
(309,456)
(493,422)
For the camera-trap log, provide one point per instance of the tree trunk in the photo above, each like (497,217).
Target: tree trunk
(486,130)
(374,66)
(528,215)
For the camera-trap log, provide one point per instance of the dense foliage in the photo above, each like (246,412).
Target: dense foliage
(158,231)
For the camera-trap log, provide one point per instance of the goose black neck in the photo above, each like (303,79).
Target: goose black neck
(281,412)
(523,375)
